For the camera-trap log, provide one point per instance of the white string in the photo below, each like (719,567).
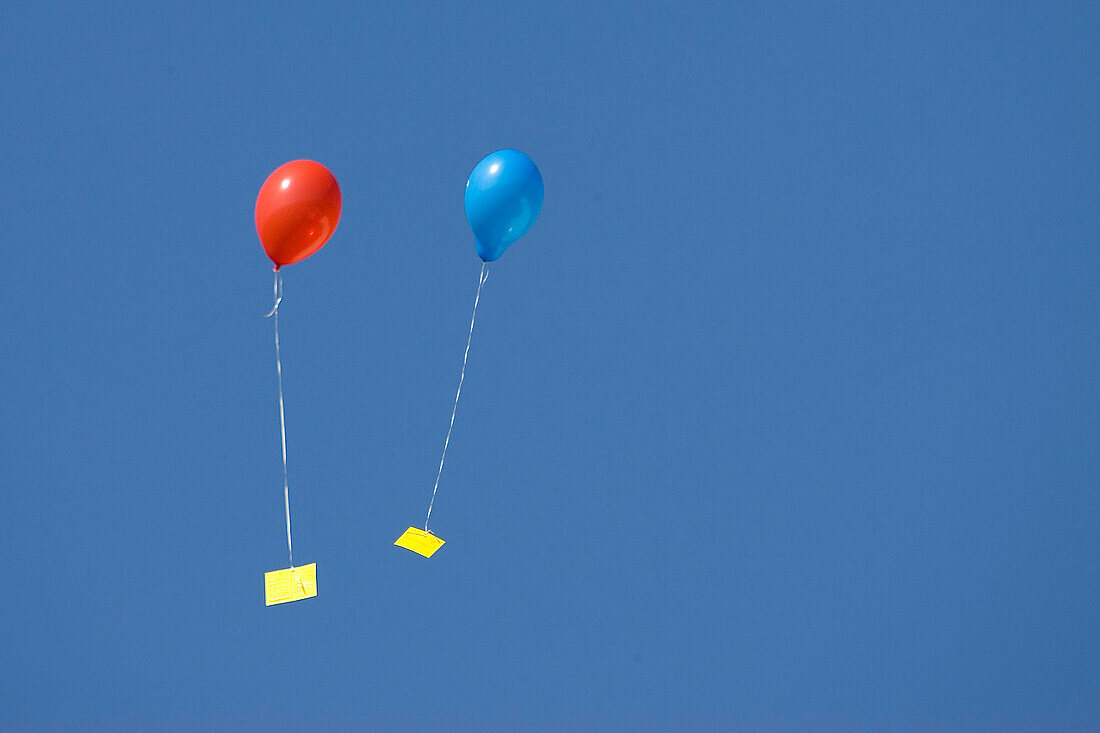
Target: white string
(480,281)
(282,419)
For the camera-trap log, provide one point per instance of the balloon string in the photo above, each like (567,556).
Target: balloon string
(480,281)
(278,296)
(282,419)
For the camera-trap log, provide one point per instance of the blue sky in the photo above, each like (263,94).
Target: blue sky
(783,415)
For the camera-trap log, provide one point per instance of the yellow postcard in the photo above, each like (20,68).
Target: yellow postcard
(419,541)
(291,584)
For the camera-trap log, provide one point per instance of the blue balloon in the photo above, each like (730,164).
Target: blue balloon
(503,199)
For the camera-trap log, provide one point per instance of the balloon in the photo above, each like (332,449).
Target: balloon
(297,211)
(503,199)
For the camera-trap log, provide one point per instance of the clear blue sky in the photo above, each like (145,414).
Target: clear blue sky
(784,414)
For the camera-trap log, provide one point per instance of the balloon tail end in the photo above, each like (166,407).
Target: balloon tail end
(276,268)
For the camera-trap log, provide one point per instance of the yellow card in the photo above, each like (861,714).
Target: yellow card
(291,584)
(419,541)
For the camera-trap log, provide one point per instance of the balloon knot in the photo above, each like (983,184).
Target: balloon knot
(276,268)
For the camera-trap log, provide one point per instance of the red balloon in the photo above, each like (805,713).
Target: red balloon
(297,211)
